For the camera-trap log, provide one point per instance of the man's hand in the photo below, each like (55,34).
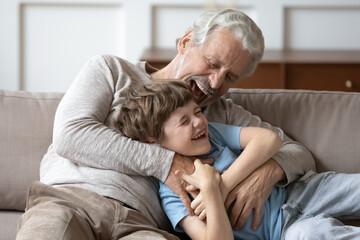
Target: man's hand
(176,183)
(252,193)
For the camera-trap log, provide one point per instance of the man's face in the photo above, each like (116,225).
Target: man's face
(186,131)
(211,68)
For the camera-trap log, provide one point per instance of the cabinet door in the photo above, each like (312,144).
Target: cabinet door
(267,75)
(332,77)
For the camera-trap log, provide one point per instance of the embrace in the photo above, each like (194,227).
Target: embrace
(122,129)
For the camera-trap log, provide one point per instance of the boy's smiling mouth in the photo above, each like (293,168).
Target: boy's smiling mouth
(199,135)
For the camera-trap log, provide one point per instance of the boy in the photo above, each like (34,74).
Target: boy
(165,113)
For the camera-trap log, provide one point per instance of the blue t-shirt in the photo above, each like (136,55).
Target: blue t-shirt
(225,148)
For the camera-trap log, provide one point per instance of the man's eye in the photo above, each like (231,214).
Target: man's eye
(228,78)
(198,112)
(212,65)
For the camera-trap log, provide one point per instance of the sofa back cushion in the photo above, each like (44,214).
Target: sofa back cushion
(26,121)
(327,123)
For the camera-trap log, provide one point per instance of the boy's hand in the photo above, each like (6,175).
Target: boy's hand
(176,183)
(198,205)
(205,177)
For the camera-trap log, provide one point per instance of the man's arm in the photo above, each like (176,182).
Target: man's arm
(82,135)
(252,193)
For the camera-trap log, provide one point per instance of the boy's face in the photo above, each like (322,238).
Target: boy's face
(186,131)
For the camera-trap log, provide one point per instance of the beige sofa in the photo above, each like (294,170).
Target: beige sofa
(327,123)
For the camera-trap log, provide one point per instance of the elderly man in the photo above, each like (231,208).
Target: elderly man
(97,184)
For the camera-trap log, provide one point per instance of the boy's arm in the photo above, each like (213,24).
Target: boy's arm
(217,225)
(292,158)
(288,164)
(259,145)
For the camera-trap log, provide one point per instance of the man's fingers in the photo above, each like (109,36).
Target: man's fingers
(187,202)
(207,161)
(245,214)
(236,212)
(256,218)
(229,200)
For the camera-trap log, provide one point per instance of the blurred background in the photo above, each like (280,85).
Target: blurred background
(45,43)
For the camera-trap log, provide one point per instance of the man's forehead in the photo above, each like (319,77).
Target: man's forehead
(231,63)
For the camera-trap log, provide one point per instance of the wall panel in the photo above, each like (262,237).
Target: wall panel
(45,43)
(172,21)
(56,41)
(322,28)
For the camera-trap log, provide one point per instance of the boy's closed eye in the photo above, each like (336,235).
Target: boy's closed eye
(198,111)
(184,122)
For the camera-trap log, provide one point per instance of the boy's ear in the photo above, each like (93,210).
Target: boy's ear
(185,41)
(150,140)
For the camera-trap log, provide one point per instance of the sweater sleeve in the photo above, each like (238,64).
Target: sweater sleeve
(293,157)
(80,133)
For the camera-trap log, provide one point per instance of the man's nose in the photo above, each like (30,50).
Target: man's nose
(216,79)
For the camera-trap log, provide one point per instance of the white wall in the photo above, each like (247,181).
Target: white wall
(44,43)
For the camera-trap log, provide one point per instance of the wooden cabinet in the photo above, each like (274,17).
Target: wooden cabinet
(313,70)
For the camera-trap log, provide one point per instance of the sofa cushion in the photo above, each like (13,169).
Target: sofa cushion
(327,123)
(8,226)
(26,121)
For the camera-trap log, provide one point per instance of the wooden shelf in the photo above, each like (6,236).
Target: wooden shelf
(331,70)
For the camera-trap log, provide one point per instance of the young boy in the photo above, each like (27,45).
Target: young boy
(164,113)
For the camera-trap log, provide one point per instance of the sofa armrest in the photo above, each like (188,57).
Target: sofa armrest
(26,122)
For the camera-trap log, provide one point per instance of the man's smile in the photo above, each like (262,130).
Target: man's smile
(200,88)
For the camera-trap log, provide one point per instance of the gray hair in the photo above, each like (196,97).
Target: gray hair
(241,25)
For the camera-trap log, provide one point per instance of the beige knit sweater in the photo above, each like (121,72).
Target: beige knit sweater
(86,152)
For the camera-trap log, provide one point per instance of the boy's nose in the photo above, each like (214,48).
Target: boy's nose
(197,121)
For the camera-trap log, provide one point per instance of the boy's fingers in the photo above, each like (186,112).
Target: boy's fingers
(202,215)
(197,162)
(187,178)
(191,188)
(200,208)
(195,203)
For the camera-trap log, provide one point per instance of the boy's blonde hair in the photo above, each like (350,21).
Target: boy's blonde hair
(147,108)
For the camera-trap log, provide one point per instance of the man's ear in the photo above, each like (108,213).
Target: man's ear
(150,140)
(185,41)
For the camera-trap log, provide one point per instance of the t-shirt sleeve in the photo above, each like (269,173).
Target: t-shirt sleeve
(293,157)
(228,135)
(172,206)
